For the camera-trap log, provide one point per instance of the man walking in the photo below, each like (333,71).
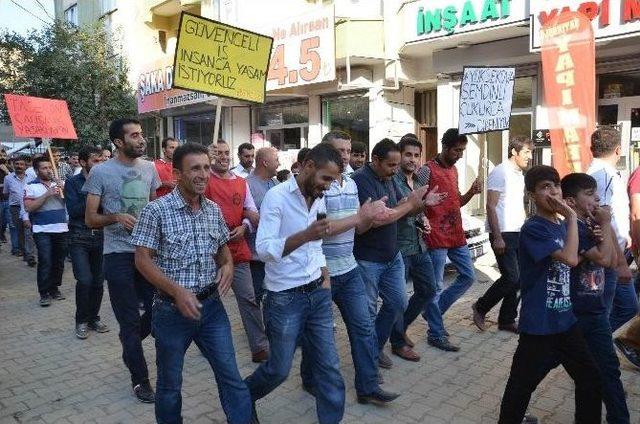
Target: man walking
(416,258)
(5,213)
(85,246)
(347,286)
(14,183)
(231,193)
(298,300)
(165,167)
(377,250)
(121,187)
(447,235)
(619,292)
(261,180)
(505,216)
(181,248)
(48,217)
(246,152)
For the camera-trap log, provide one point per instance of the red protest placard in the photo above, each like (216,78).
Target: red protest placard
(38,117)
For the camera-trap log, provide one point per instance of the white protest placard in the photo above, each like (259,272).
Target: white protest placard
(486,94)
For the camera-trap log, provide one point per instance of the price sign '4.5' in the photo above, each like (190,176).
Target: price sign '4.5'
(308,57)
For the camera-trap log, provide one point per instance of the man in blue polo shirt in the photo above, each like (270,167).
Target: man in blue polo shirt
(377,250)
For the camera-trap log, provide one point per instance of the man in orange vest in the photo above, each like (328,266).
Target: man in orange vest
(231,193)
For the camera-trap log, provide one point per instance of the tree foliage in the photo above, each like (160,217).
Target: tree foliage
(74,64)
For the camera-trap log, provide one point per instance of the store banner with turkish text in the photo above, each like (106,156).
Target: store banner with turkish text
(568,67)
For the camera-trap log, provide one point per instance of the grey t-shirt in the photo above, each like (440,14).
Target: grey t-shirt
(122,189)
(259,188)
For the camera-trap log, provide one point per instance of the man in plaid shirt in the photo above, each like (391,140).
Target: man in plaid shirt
(181,248)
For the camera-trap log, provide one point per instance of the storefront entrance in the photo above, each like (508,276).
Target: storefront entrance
(624,114)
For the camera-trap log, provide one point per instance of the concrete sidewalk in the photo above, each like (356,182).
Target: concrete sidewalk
(47,375)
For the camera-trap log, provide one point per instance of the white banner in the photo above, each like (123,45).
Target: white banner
(486,94)
(611,19)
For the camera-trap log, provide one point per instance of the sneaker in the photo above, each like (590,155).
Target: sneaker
(45,301)
(379,397)
(530,419)
(82,332)
(57,295)
(443,344)
(98,327)
(478,317)
(32,262)
(384,361)
(511,328)
(632,355)
(144,392)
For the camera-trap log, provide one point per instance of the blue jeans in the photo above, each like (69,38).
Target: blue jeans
(621,299)
(5,217)
(420,268)
(52,251)
(85,248)
(385,279)
(290,316)
(13,232)
(348,292)
(212,334)
(127,289)
(257,276)
(461,259)
(597,333)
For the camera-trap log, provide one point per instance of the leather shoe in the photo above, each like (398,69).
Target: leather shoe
(406,353)
(379,397)
(632,355)
(384,361)
(478,318)
(261,356)
(408,341)
(443,344)
(512,328)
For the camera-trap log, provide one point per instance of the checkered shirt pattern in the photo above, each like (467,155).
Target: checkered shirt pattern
(185,242)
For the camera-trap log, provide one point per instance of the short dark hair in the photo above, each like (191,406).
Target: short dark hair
(86,152)
(540,173)
(409,140)
(116,129)
(604,141)
(572,184)
(167,140)
(37,161)
(335,135)
(518,144)
(23,158)
(107,148)
(282,175)
(302,155)
(186,149)
(324,153)
(452,137)
(245,146)
(383,147)
(358,147)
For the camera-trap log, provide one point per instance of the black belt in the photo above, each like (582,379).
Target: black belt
(202,295)
(306,288)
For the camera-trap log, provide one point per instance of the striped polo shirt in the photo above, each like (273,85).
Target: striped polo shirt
(341,201)
(51,217)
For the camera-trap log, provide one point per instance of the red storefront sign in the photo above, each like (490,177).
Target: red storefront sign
(568,66)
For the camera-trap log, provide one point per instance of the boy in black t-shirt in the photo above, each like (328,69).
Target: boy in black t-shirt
(597,251)
(548,331)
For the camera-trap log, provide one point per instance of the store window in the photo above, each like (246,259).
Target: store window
(348,113)
(194,128)
(71,14)
(149,129)
(284,126)
(612,86)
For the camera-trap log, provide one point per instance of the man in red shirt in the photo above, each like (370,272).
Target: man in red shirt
(447,235)
(232,194)
(165,166)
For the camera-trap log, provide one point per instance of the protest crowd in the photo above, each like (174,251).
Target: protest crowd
(172,236)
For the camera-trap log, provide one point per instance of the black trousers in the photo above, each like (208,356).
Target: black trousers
(85,247)
(537,355)
(506,287)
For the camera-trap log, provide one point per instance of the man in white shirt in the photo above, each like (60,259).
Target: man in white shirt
(298,301)
(619,292)
(246,153)
(505,216)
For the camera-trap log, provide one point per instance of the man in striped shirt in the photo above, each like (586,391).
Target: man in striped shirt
(347,285)
(48,216)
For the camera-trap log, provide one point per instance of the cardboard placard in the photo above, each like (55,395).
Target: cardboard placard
(486,95)
(215,58)
(36,117)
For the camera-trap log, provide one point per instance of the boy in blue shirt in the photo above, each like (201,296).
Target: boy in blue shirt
(549,335)
(597,251)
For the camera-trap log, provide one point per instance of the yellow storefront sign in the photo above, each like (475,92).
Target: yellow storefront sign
(215,58)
